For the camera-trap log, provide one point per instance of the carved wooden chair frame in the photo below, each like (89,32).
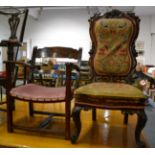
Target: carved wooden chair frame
(81,104)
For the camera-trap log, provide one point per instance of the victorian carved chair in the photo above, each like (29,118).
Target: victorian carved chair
(17,22)
(34,93)
(112,61)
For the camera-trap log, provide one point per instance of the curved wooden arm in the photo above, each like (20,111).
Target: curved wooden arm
(75,66)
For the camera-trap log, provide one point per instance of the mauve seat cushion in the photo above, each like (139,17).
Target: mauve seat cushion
(36,92)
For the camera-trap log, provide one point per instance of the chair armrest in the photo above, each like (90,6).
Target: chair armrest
(75,66)
(20,63)
(13,62)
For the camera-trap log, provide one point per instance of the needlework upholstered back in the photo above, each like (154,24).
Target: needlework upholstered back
(113,38)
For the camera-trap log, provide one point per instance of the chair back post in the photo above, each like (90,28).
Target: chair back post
(9,73)
(68,97)
(68,80)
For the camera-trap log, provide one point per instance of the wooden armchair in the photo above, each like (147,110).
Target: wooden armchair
(34,93)
(112,60)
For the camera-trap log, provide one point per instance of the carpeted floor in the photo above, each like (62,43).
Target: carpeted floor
(150,127)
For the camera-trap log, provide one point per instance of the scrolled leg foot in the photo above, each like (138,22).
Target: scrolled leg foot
(77,121)
(142,119)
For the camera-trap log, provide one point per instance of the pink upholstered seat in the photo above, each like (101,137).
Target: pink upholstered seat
(36,92)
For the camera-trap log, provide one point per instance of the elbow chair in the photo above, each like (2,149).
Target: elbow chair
(34,93)
(112,61)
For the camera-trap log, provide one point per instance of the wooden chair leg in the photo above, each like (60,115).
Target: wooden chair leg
(67,120)
(10,102)
(94,114)
(31,111)
(126,118)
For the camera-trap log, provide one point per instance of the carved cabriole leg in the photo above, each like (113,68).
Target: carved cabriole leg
(142,118)
(77,121)
(126,118)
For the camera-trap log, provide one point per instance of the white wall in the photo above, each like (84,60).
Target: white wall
(70,27)
(153,24)
(145,36)
(153,40)
(4,34)
(4,27)
(60,28)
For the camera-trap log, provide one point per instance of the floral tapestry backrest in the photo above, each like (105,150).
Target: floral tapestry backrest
(113,44)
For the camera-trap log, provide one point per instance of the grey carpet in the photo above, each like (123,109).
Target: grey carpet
(149,129)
